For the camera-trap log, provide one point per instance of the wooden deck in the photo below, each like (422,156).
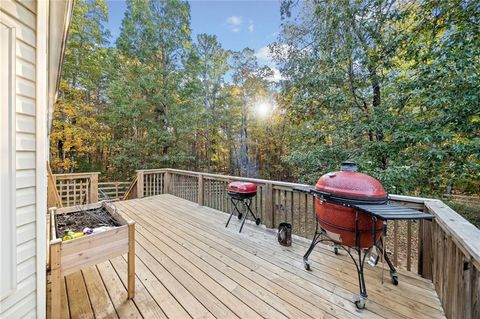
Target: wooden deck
(190,266)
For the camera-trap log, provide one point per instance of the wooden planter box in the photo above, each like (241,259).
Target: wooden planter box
(66,257)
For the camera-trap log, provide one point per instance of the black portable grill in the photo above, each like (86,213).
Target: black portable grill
(241,193)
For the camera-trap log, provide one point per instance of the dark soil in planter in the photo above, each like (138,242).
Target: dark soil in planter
(77,221)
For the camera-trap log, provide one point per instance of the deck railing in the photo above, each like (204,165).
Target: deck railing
(446,250)
(77,189)
(112,190)
(84,188)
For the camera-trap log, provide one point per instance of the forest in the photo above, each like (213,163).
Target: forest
(391,85)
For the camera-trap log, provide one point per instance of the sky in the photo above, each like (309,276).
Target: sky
(237,24)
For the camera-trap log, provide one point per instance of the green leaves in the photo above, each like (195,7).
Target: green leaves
(392,85)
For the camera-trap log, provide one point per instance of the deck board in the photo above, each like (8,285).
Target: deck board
(188,265)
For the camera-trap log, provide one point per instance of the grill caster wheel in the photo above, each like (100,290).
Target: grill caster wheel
(360,304)
(335,250)
(257,221)
(306,264)
(360,301)
(240,216)
(395,279)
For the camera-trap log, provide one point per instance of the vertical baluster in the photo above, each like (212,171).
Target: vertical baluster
(210,193)
(75,200)
(312,213)
(292,212)
(223,198)
(146,177)
(217,194)
(395,243)
(154,184)
(146,192)
(214,194)
(409,245)
(161,183)
(68,194)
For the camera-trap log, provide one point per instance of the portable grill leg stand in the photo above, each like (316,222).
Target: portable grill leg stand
(235,209)
(247,203)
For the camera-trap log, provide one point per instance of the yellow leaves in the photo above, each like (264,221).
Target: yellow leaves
(235,90)
(76,131)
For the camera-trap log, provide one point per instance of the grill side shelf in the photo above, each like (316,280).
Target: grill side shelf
(393,212)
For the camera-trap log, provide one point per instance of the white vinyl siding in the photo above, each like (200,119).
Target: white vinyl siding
(21,15)
(8,279)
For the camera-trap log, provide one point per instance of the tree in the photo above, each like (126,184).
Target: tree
(146,90)
(252,87)
(76,131)
(378,82)
(208,66)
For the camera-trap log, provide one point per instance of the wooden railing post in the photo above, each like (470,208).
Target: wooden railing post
(93,198)
(140,184)
(268,218)
(53,198)
(55,278)
(168,182)
(200,195)
(131,260)
(425,258)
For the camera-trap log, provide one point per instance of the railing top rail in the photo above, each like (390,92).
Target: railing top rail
(113,183)
(409,199)
(463,233)
(75,175)
(225,177)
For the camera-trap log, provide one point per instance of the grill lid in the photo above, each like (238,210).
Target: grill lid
(352,186)
(242,187)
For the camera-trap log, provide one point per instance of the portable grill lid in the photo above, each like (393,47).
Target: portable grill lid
(242,187)
(350,186)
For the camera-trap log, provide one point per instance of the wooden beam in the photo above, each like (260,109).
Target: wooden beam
(53,198)
(131,260)
(167,181)
(140,184)
(268,219)
(93,188)
(464,234)
(200,189)
(55,278)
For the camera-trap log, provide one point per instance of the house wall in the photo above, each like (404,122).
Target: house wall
(22,15)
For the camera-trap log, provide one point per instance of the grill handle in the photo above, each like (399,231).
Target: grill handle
(311,190)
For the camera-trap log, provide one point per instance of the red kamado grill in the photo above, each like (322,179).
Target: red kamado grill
(242,192)
(352,210)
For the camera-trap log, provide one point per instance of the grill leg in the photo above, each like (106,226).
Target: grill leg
(235,209)
(315,241)
(361,299)
(393,271)
(247,203)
